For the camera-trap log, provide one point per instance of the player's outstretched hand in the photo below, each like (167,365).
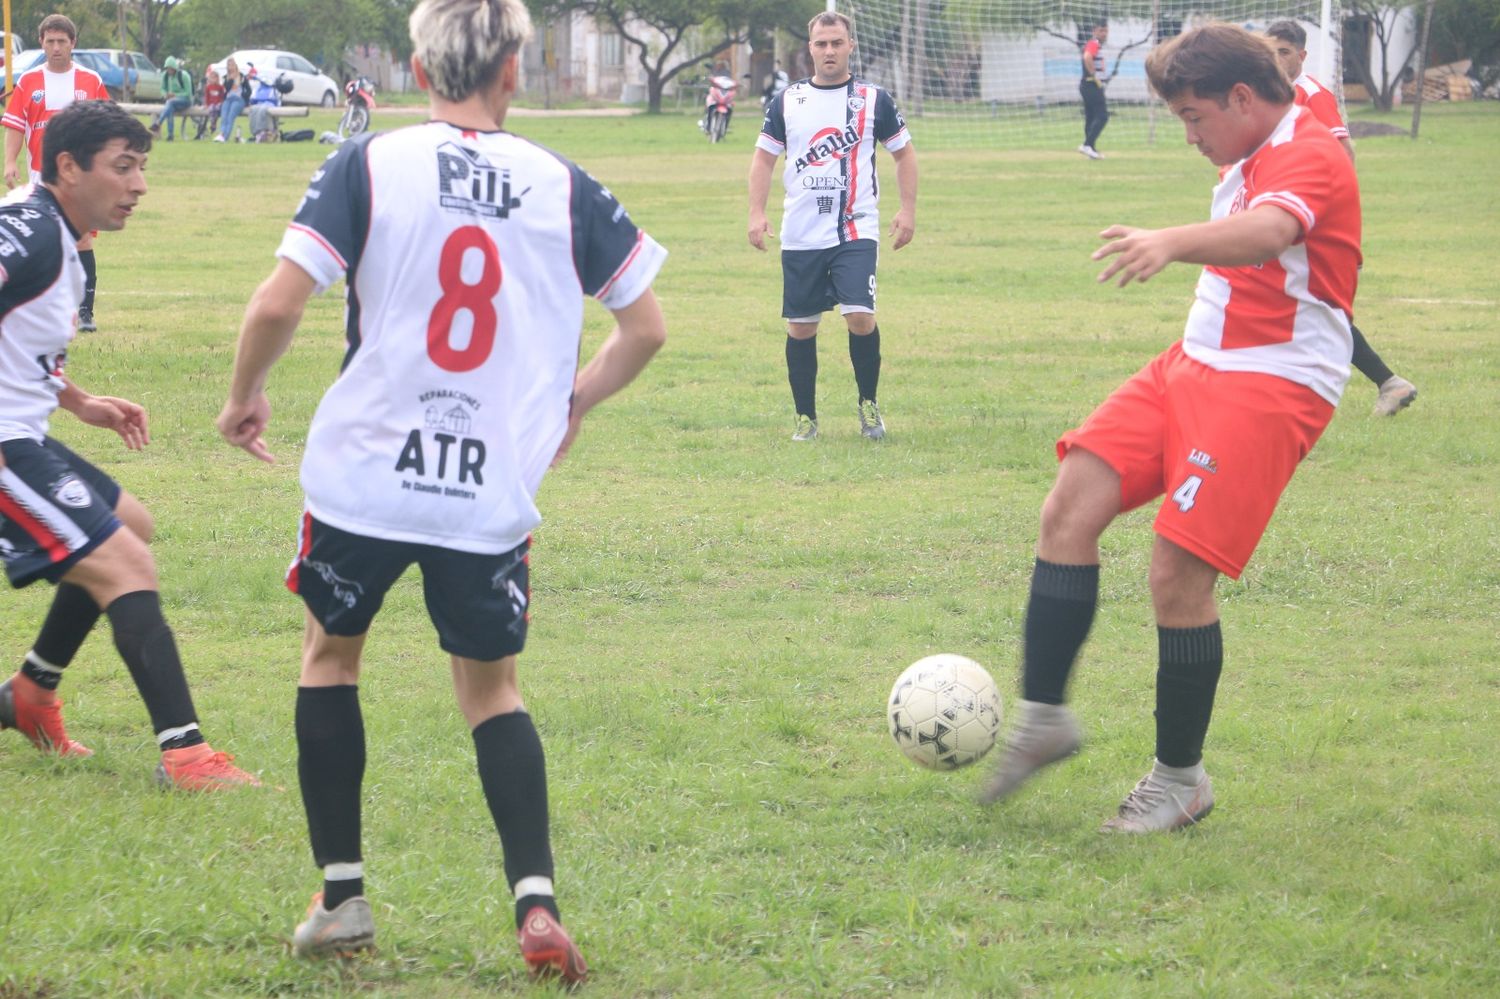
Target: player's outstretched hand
(242,424)
(1138,253)
(120,415)
(760,229)
(903,228)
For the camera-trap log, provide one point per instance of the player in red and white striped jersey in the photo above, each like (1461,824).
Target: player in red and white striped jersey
(467,252)
(1217,423)
(1290,42)
(828,127)
(39,94)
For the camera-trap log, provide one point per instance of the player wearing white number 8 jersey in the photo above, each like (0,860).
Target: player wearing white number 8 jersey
(467,252)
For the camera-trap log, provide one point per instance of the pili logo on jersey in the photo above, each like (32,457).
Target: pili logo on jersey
(830,143)
(468,183)
(1203,460)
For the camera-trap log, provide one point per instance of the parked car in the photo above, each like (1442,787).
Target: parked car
(308,85)
(111,64)
(113,76)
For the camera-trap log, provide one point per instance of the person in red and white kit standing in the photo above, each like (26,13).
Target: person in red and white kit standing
(1290,41)
(1217,423)
(39,94)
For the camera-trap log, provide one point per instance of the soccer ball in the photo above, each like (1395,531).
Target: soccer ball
(944,711)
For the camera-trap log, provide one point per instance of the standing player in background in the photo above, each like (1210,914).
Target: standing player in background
(828,127)
(1091,89)
(1217,423)
(467,252)
(62,519)
(1290,41)
(41,93)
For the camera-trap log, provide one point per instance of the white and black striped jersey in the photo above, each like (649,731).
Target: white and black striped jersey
(41,284)
(828,135)
(467,256)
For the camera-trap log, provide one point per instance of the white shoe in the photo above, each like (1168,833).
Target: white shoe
(1396,393)
(1092,153)
(1043,734)
(807,428)
(1161,804)
(870,423)
(345,930)
(218,138)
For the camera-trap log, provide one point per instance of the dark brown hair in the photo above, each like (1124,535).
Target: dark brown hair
(1288,31)
(57,22)
(1208,61)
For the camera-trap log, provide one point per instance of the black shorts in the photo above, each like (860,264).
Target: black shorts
(478,603)
(814,281)
(55,508)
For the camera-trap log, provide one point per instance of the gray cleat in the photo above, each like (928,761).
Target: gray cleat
(870,423)
(1042,735)
(345,930)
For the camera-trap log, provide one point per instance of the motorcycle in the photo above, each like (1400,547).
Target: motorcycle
(718,107)
(359,101)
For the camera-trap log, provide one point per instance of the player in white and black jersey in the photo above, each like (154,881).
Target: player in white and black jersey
(828,127)
(467,253)
(62,519)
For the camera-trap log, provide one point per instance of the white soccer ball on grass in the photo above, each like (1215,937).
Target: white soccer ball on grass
(944,711)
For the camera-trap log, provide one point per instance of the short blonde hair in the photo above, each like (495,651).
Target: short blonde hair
(463,43)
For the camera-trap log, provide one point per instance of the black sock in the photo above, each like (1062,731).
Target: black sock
(1367,361)
(331,768)
(336,893)
(1058,617)
(526,903)
(1186,678)
(69,621)
(90,278)
(802,374)
(150,653)
(864,352)
(513,771)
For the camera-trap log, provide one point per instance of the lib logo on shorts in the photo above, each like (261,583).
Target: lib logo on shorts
(345,591)
(469,184)
(70,492)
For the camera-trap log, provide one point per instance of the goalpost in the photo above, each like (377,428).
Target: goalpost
(1005,73)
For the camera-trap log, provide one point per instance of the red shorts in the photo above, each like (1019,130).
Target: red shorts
(1222,445)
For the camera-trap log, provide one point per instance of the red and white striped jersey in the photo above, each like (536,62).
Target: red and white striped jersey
(829,136)
(40,94)
(1320,101)
(1289,316)
(467,256)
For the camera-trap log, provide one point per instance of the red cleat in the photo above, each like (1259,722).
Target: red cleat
(37,714)
(199,768)
(548,950)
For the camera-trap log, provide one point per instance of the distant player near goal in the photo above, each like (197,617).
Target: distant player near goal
(1290,41)
(828,127)
(467,252)
(1216,424)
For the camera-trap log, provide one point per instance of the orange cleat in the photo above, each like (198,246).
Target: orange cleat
(36,713)
(200,768)
(548,950)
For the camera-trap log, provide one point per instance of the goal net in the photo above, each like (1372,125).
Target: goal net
(1005,73)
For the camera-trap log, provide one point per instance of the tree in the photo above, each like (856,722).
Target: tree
(670,36)
(1371,26)
(209,29)
(1467,29)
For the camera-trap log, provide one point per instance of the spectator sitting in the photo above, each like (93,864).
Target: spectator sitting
(213,102)
(236,96)
(267,96)
(177,87)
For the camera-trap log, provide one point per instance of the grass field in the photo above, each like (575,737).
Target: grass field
(718,614)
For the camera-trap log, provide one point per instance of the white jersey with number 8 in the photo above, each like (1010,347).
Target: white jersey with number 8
(467,256)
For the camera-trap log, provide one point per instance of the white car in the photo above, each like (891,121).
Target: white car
(308,85)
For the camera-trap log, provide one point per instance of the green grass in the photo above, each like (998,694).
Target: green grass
(718,614)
